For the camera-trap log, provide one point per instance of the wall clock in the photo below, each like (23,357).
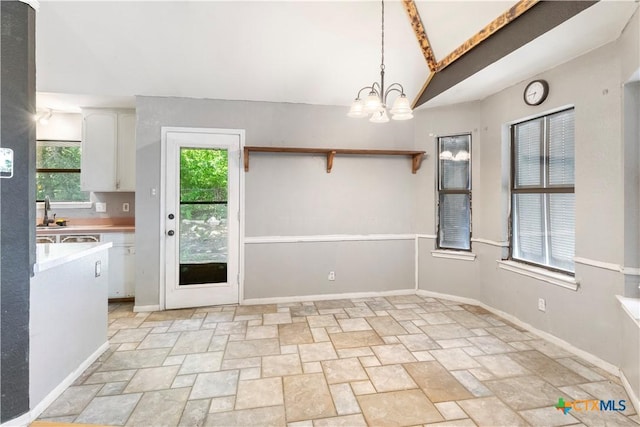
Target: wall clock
(536,92)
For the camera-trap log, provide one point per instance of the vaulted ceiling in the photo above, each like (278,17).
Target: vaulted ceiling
(103,53)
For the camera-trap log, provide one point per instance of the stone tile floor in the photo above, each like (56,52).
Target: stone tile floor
(393,361)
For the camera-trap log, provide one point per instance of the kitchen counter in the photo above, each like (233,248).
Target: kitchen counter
(50,255)
(81,229)
(68,316)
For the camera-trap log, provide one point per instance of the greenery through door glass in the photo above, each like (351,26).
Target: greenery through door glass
(58,171)
(203,212)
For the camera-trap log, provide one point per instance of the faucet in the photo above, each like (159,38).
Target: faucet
(47,207)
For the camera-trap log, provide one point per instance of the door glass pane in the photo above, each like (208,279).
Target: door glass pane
(203,216)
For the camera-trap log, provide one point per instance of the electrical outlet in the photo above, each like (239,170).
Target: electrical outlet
(332,275)
(98,268)
(101,207)
(542,304)
(125,207)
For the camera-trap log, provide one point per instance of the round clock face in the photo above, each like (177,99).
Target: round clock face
(536,92)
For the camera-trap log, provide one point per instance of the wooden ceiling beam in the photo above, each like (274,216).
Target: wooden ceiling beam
(472,57)
(505,18)
(421,34)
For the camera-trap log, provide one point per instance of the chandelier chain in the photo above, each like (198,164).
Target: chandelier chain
(382,37)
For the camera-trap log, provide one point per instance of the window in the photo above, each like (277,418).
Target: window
(454,192)
(542,191)
(58,171)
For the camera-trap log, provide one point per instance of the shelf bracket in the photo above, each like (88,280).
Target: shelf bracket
(416,161)
(330,156)
(246,159)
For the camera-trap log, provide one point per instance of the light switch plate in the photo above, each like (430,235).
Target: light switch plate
(101,207)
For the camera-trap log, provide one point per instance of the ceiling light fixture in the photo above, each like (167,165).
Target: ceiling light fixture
(44,117)
(376,101)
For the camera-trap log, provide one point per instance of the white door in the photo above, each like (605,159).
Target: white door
(201,216)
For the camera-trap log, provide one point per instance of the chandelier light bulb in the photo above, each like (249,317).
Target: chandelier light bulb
(401,106)
(357,109)
(406,116)
(372,102)
(380,116)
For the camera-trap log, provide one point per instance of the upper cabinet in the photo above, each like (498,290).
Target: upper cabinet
(108,150)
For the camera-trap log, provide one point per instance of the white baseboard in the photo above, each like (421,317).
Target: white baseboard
(145,308)
(602,364)
(29,417)
(324,297)
(630,392)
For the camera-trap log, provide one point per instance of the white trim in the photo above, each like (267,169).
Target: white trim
(327,238)
(56,392)
(504,244)
(416,261)
(599,264)
(241,213)
(464,256)
(324,297)
(35,4)
(558,279)
(426,236)
(159,192)
(240,133)
(630,392)
(631,271)
(146,308)
(595,360)
(631,306)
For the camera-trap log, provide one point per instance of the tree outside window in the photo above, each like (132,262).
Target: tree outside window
(58,171)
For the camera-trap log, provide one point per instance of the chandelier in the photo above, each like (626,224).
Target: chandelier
(375,104)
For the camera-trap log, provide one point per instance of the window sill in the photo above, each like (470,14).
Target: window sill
(558,279)
(631,306)
(450,254)
(66,205)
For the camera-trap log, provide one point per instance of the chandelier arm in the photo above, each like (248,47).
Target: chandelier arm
(393,88)
(375,87)
(360,91)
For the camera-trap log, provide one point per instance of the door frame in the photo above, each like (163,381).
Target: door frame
(163,185)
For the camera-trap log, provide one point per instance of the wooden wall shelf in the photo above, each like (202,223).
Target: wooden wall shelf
(416,156)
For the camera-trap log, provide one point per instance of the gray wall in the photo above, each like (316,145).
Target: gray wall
(292,195)
(17,197)
(593,83)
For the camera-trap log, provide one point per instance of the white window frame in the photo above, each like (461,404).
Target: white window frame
(528,267)
(439,247)
(61,204)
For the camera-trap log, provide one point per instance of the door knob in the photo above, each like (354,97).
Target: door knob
(170,232)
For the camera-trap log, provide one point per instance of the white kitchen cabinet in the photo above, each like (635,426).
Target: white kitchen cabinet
(108,150)
(122,267)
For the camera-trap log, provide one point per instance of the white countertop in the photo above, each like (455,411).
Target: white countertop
(632,307)
(49,255)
